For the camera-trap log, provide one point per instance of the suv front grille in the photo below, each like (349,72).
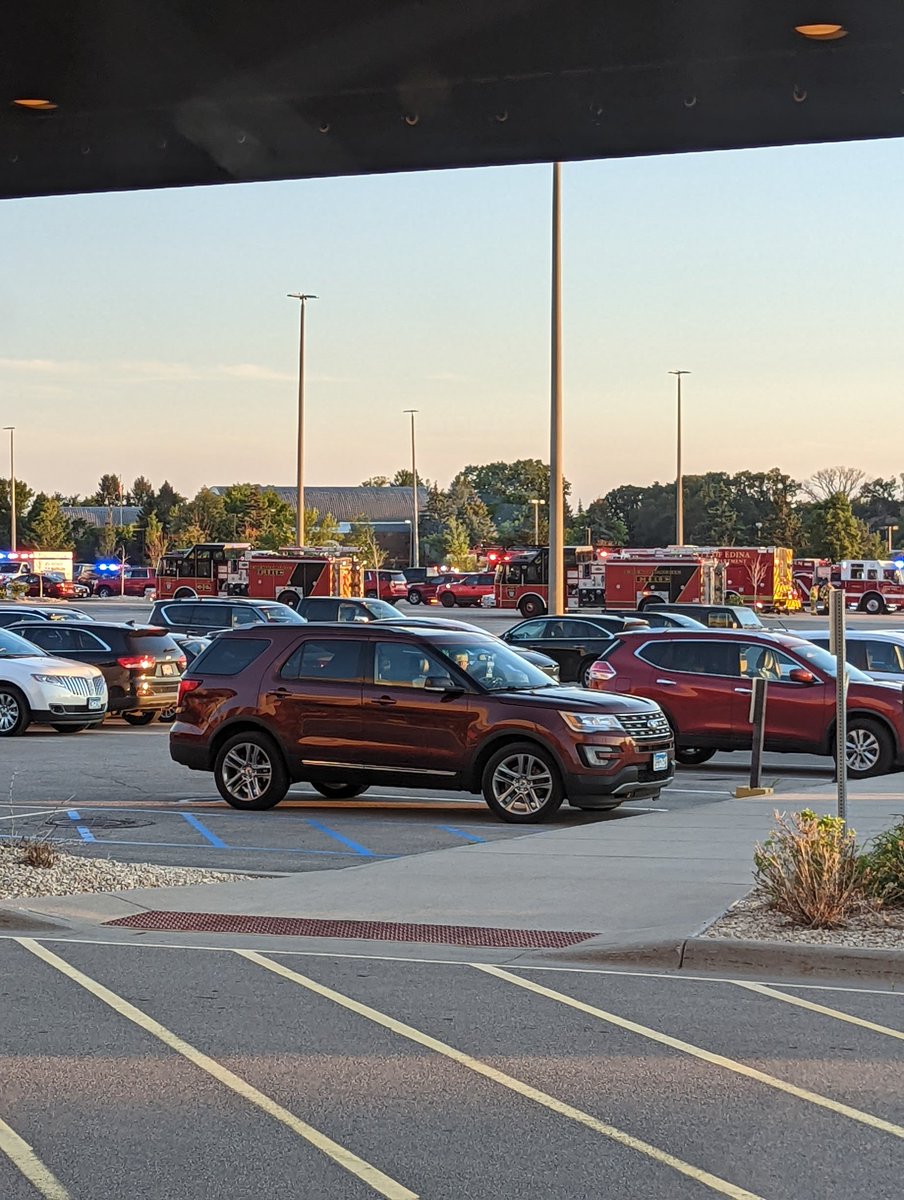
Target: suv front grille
(645,727)
(76,685)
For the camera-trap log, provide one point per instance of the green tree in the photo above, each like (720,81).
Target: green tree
(105,538)
(205,513)
(166,502)
(458,546)
(51,529)
(143,493)
(376,481)
(24,496)
(363,538)
(832,531)
(720,526)
(506,490)
(274,522)
(109,490)
(156,541)
(604,526)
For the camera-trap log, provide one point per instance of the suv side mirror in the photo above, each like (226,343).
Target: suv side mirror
(441,683)
(800,675)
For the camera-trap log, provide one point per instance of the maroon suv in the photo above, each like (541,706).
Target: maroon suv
(702,681)
(347,707)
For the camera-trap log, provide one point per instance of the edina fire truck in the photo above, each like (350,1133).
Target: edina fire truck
(760,576)
(641,578)
(235,569)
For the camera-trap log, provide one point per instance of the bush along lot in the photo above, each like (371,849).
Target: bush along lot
(814,883)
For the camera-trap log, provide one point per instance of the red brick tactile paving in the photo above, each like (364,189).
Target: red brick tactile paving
(384,931)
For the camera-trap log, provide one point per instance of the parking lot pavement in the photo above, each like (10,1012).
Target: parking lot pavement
(148,1072)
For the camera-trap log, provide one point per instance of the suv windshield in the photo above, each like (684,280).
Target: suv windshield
(825,661)
(280,614)
(13,646)
(493,665)
(381,609)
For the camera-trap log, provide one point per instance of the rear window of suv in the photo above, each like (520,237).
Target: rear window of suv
(228,656)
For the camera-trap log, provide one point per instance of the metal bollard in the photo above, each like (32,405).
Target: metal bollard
(757,718)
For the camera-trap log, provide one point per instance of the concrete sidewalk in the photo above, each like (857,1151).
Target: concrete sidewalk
(641,879)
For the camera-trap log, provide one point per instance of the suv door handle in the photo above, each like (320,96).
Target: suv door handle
(667,682)
(743,691)
(384,701)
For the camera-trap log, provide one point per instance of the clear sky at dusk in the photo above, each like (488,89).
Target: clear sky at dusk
(150,332)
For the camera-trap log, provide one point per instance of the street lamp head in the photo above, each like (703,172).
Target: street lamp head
(302,296)
(679,372)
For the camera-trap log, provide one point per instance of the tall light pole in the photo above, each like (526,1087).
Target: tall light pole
(11,430)
(299,477)
(415,540)
(536,504)
(679,482)
(556,592)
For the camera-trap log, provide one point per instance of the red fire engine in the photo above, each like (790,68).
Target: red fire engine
(869,585)
(760,576)
(235,569)
(637,579)
(522,578)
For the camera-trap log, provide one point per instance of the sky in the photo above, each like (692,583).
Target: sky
(150,333)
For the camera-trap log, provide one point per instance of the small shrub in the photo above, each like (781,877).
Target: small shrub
(885,860)
(37,852)
(811,870)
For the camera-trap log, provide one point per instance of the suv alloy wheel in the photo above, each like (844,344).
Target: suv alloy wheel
(521,784)
(250,772)
(869,750)
(13,711)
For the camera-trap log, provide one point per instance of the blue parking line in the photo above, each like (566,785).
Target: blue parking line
(204,831)
(84,833)
(468,837)
(355,847)
(15,837)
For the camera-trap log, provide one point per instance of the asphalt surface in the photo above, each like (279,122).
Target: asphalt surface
(149,1072)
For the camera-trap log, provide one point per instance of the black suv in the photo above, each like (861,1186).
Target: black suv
(142,665)
(205,616)
(340,608)
(574,642)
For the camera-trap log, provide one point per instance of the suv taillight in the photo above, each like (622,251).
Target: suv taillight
(186,686)
(138,662)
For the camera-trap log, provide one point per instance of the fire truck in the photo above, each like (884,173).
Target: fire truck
(760,576)
(522,579)
(638,579)
(236,569)
(39,562)
(869,585)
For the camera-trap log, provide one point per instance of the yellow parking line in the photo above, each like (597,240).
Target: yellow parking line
(719,1060)
(820,1008)
(722,1186)
(24,1159)
(382,1184)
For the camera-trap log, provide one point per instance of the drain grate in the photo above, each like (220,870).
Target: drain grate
(97,822)
(382,931)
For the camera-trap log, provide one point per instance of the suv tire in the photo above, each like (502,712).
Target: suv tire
(14,711)
(584,670)
(447,600)
(415,597)
(340,791)
(693,756)
(521,784)
(104,592)
(258,753)
(139,718)
(870,749)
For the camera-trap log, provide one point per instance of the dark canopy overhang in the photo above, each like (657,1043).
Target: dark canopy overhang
(162,93)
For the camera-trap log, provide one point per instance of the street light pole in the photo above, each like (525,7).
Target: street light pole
(679,483)
(11,430)
(556,591)
(536,504)
(299,475)
(415,539)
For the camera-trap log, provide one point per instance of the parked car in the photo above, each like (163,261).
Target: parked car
(138,581)
(702,682)
(543,662)
(50,584)
(141,663)
(713,616)
(345,608)
(877,653)
(203,616)
(37,688)
(468,591)
(657,618)
(351,706)
(191,647)
(574,642)
(12,614)
(390,586)
(425,593)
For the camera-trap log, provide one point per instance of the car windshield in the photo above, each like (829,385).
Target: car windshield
(748,618)
(824,661)
(280,614)
(13,646)
(492,665)
(381,609)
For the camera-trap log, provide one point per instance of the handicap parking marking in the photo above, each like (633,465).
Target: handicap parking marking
(204,831)
(355,847)
(463,834)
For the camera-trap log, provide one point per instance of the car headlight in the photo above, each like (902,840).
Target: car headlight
(56,679)
(583,722)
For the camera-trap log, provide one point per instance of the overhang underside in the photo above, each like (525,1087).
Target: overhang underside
(169,93)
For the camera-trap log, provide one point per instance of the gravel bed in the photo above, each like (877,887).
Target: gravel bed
(751,919)
(71,874)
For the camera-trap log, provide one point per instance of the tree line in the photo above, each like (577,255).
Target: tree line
(837,513)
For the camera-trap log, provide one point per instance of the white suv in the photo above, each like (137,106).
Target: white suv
(35,686)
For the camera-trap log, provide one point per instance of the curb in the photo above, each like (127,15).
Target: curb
(15,921)
(702,955)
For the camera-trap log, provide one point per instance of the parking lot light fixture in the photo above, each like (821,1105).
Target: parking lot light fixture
(415,556)
(679,482)
(299,520)
(11,430)
(536,504)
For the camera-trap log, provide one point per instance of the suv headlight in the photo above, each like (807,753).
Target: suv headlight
(55,679)
(592,722)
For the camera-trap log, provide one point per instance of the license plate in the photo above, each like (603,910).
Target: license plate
(167,668)
(661,760)
(95,702)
